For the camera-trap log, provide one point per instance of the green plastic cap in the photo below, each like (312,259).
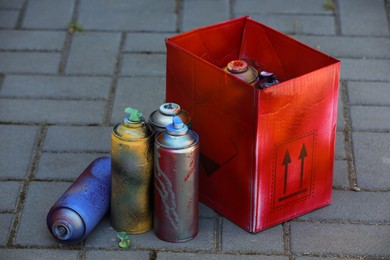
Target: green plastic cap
(134,114)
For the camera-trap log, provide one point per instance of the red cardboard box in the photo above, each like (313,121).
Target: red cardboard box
(266,154)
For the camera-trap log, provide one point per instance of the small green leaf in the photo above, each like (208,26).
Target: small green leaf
(75,27)
(125,240)
(329,5)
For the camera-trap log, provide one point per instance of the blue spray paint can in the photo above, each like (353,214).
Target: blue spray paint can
(75,214)
(176,183)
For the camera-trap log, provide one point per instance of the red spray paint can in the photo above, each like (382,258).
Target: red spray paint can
(176,183)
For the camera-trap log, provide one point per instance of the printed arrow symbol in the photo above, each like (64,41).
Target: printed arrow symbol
(286,162)
(301,157)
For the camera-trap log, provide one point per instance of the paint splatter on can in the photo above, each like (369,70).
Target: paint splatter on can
(162,117)
(176,183)
(75,214)
(132,174)
(243,71)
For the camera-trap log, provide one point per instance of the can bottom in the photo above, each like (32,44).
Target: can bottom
(133,232)
(176,240)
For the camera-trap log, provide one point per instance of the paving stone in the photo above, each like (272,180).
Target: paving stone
(93,53)
(319,238)
(201,13)
(369,93)
(298,24)
(105,236)
(55,87)
(321,258)
(9,195)
(8,18)
(354,206)
(48,14)
(340,176)
(372,159)
(64,166)
(125,15)
(235,239)
(358,69)
(370,118)
(14,4)
(51,111)
(39,254)
(31,40)
(78,139)
(363,17)
(40,197)
(143,65)
(340,150)
(29,62)
(146,42)
(280,6)
(190,256)
(17,144)
(145,94)
(123,254)
(5,224)
(205,211)
(349,47)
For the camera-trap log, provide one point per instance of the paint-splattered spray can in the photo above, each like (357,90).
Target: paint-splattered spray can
(162,117)
(132,174)
(267,79)
(176,183)
(243,71)
(72,218)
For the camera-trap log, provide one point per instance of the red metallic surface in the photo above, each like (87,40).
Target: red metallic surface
(267,155)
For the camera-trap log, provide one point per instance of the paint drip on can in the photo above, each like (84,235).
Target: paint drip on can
(241,70)
(75,214)
(176,183)
(132,174)
(162,117)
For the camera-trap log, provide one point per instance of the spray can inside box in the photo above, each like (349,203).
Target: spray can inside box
(269,156)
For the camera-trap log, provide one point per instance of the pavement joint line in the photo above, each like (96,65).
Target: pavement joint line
(179,15)
(341,222)
(22,12)
(387,8)
(218,233)
(25,184)
(337,18)
(287,238)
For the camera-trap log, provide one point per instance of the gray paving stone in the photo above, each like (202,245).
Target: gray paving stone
(143,65)
(190,256)
(340,150)
(5,224)
(363,69)
(8,18)
(125,15)
(64,166)
(48,14)
(145,94)
(124,254)
(205,211)
(361,240)
(105,236)
(31,40)
(363,17)
(369,93)
(372,160)
(51,111)
(40,197)
(39,254)
(235,239)
(280,6)
(370,118)
(349,47)
(367,207)
(9,195)
(16,4)
(17,144)
(78,139)
(298,24)
(29,62)
(340,176)
(22,86)
(322,258)
(93,53)
(146,42)
(203,12)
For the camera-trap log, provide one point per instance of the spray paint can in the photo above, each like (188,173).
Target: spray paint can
(176,183)
(243,71)
(267,79)
(162,117)
(75,214)
(132,174)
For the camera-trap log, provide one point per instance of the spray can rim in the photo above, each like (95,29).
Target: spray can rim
(170,109)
